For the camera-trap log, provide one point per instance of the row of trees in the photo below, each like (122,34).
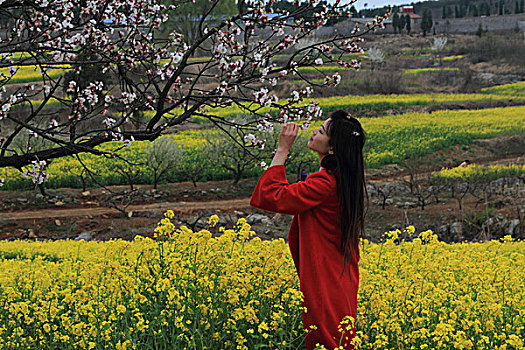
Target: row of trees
(470,8)
(479,222)
(425,189)
(281,6)
(426,22)
(400,22)
(484,9)
(223,155)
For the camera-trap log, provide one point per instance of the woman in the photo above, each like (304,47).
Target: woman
(328,211)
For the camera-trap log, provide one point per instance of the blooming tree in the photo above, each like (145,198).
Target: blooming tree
(159,76)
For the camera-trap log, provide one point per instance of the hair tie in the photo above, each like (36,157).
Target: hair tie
(355,133)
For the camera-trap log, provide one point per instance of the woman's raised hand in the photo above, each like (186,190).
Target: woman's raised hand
(287,136)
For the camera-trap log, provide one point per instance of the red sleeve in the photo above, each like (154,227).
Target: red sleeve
(274,193)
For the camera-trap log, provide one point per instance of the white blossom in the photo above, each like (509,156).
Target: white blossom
(265,126)
(37,172)
(305,126)
(128,97)
(250,138)
(176,57)
(110,122)
(72,86)
(337,78)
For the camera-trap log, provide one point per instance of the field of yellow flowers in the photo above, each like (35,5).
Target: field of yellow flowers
(418,71)
(515,89)
(222,288)
(33,73)
(381,102)
(478,171)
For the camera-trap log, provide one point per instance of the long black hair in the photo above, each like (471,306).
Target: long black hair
(347,139)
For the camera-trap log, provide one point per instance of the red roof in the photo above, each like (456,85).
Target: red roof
(413,15)
(409,10)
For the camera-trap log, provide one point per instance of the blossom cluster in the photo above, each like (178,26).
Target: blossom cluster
(37,172)
(254,141)
(160,74)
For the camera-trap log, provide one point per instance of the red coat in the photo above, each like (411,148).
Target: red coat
(314,240)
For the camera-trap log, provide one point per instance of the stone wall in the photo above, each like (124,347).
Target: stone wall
(471,24)
(449,25)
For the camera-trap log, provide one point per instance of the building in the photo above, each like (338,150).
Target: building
(415,19)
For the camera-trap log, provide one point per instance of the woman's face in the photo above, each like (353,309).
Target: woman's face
(319,140)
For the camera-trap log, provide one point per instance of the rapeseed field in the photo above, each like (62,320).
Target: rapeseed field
(223,288)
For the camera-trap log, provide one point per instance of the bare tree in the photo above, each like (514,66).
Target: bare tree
(120,201)
(437,187)
(232,151)
(193,164)
(459,188)
(376,57)
(161,77)
(517,202)
(418,183)
(421,189)
(481,189)
(438,45)
(78,170)
(385,192)
(162,155)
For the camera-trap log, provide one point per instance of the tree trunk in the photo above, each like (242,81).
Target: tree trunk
(238,176)
(83,181)
(42,189)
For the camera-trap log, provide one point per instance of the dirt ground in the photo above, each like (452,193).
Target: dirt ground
(65,213)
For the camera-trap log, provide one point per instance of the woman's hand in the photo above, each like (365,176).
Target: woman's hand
(287,136)
(286,139)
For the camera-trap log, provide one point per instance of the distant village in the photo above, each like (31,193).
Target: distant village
(467,25)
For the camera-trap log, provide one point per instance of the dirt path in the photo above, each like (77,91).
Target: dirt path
(177,207)
(74,218)
(187,207)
